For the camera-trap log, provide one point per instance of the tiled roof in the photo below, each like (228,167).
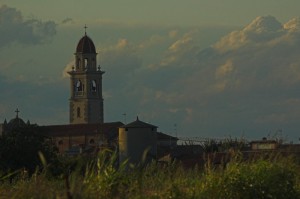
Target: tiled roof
(109,129)
(162,136)
(138,124)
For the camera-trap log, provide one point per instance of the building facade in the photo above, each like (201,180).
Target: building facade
(137,142)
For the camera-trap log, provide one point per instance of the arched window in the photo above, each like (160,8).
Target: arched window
(93,86)
(85,63)
(79,86)
(78,112)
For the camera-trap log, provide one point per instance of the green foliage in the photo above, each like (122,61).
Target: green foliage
(258,179)
(276,177)
(212,145)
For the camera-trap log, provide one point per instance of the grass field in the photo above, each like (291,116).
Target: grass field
(276,177)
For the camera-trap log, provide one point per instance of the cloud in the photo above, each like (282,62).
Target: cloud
(68,68)
(67,20)
(242,77)
(263,24)
(173,33)
(121,57)
(260,31)
(15,29)
(225,69)
(293,24)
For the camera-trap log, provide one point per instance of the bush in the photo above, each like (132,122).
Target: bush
(257,179)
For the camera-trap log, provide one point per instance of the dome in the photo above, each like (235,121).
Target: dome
(85,45)
(15,123)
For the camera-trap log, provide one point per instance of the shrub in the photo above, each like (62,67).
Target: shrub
(257,179)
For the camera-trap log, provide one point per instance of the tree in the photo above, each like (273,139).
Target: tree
(20,149)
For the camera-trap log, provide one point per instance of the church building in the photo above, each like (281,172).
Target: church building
(87,132)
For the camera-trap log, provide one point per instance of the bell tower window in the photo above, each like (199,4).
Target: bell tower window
(85,63)
(78,64)
(93,63)
(94,86)
(79,86)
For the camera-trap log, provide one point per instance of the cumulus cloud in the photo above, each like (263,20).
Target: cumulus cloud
(68,68)
(243,77)
(225,69)
(268,58)
(293,24)
(122,58)
(180,52)
(14,28)
(260,31)
(264,24)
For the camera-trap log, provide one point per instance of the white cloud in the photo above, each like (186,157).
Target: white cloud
(263,24)
(180,53)
(68,68)
(260,31)
(293,24)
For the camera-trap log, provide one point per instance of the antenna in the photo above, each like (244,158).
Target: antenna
(124,114)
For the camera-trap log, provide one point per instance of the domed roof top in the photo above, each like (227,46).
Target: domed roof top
(85,45)
(16,122)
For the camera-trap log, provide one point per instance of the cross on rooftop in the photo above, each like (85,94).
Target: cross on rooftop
(85,27)
(17,111)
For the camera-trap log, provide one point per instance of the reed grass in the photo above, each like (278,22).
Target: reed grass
(276,177)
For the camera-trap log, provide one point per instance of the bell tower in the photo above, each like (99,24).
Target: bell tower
(86,101)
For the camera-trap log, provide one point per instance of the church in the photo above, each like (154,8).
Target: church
(87,131)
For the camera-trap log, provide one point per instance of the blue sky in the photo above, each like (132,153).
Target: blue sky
(214,69)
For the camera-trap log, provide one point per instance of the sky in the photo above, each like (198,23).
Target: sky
(194,68)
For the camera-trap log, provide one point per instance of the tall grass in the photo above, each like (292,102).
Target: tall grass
(276,177)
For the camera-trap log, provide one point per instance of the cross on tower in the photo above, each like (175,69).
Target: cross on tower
(85,27)
(17,111)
